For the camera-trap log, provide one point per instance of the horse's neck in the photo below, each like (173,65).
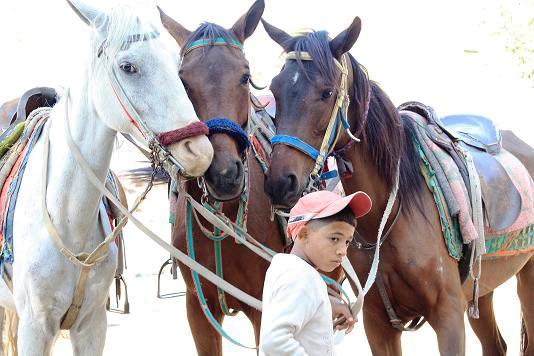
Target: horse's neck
(72,201)
(367,179)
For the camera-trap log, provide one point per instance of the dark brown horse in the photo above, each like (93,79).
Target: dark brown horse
(419,276)
(217,80)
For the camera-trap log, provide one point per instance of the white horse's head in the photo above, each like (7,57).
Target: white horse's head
(134,87)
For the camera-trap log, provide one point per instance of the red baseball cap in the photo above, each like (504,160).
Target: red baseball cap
(324,203)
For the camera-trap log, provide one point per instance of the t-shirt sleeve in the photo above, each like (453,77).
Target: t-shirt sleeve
(291,306)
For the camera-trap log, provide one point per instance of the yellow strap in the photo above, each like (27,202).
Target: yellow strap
(342,103)
(84,260)
(305,56)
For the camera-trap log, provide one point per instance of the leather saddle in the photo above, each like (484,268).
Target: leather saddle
(29,101)
(479,136)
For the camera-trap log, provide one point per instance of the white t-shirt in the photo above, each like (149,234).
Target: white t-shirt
(297,316)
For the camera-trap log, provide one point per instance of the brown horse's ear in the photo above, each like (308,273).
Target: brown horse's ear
(177,31)
(278,35)
(245,26)
(343,42)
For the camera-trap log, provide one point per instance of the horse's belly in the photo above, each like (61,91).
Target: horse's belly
(495,272)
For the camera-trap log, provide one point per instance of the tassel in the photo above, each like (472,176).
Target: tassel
(352,136)
(473,309)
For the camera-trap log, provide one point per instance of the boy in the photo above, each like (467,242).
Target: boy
(297,315)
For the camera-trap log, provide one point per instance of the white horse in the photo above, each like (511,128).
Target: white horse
(132,44)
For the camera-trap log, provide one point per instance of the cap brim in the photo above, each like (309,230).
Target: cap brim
(359,202)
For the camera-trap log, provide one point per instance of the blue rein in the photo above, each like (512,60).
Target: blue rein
(230,128)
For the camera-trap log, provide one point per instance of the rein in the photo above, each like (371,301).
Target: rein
(179,255)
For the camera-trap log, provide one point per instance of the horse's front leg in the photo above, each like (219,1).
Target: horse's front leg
(384,340)
(89,335)
(36,332)
(207,340)
(447,319)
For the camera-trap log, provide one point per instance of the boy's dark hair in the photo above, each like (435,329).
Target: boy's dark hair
(345,215)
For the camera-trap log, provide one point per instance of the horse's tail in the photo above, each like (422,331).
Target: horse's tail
(524,337)
(9,328)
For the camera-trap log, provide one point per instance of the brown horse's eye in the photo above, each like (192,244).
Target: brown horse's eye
(326,94)
(245,79)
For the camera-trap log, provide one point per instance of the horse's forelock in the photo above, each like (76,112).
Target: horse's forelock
(210,32)
(316,43)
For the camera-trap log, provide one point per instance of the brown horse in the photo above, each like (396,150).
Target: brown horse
(217,80)
(419,276)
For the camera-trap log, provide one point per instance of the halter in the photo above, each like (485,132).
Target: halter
(220,126)
(338,119)
(223,124)
(157,143)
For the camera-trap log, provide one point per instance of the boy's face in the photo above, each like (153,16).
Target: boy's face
(326,244)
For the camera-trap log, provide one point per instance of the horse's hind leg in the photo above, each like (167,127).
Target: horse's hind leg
(89,335)
(525,290)
(486,329)
(207,340)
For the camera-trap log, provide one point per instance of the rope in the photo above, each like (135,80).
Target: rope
(179,255)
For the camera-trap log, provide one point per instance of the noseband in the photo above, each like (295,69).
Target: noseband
(338,119)
(157,142)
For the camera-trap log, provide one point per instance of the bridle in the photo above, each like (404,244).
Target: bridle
(337,123)
(157,142)
(223,125)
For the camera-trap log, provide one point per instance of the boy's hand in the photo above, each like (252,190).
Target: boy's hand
(341,315)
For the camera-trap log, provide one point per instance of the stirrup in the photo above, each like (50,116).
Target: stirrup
(174,273)
(126,307)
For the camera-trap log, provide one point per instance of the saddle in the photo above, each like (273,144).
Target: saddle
(479,136)
(29,101)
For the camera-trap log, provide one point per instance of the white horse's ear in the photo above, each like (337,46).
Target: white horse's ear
(90,15)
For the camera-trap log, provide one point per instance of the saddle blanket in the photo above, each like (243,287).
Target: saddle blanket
(517,238)
(9,192)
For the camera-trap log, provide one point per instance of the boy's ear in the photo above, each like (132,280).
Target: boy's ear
(303,233)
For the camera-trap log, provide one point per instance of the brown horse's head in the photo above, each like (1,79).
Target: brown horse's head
(216,76)
(305,93)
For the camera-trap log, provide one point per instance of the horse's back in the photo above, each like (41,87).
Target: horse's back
(520,149)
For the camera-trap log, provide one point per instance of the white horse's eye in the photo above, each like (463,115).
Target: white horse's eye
(128,68)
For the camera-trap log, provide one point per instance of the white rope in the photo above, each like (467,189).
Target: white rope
(179,255)
(387,212)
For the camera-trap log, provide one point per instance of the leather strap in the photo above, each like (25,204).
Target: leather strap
(414,325)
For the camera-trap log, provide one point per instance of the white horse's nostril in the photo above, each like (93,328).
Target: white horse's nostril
(188,148)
